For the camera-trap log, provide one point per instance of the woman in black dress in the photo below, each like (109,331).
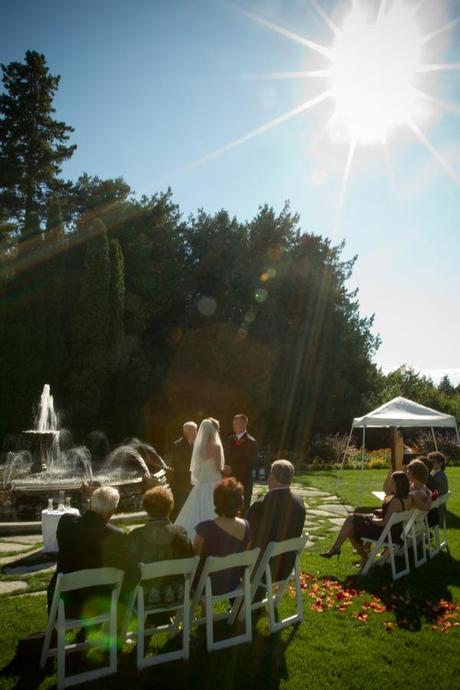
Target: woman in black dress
(358,526)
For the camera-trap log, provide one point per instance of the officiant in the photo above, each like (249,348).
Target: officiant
(241,455)
(181,454)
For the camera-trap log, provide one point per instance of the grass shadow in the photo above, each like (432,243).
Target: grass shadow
(415,599)
(262,663)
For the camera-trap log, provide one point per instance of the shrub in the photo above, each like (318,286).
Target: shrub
(330,448)
(447,444)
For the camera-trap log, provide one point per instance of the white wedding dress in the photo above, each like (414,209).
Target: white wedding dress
(199,505)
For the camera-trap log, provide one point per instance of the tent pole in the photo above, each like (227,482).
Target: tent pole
(362,465)
(458,435)
(434,439)
(344,455)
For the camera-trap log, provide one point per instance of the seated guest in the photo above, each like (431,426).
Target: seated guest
(437,515)
(417,474)
(90,541)
(160,540)
(430,480)
(225,535)
(358,526)
(431,484)
(277,516)
(439,463)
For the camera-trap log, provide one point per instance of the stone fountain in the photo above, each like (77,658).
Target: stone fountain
(41,473)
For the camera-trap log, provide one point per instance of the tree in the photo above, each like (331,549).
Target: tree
(54,270)
(445,386)
(92,197)
(32,143)
(89,330)
(116,304)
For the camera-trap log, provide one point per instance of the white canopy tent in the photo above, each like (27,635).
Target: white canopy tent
(400,412)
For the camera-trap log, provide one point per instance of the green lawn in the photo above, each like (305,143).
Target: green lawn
(358,645)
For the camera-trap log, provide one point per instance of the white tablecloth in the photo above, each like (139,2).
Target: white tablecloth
(50,519)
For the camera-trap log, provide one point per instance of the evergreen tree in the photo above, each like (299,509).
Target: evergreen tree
(53,294)
(32,143)
(89,332)
(116,304)
(445,386)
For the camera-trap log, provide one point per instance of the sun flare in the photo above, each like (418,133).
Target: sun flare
(374,65)
(374,75)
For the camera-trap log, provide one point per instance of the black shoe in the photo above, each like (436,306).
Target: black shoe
(330,553)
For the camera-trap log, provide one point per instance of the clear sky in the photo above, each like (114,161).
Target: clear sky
(153,87)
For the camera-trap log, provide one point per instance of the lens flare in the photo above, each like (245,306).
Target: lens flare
(373,70)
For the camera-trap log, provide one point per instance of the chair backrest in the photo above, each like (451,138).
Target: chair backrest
(417,521)
(178,566)
(405,518)
(242,559)
(91,577)
(440,500)
(276,548)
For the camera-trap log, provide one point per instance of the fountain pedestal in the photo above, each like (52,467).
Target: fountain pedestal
(38,443)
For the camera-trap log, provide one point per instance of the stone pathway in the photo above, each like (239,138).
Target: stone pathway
(8,587)
(325,512)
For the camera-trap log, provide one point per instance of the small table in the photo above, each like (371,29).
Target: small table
(379,494)
(50,519)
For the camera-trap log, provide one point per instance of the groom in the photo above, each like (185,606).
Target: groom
(241,455)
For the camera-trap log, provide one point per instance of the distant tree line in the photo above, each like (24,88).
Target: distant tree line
(140,318)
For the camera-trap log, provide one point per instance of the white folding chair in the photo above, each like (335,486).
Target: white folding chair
(178,610)
(392,550)
(418,533)
(57,620)
(262,578)
(245,560)
(439,543)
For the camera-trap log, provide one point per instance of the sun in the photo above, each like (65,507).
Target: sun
(374,75)
(373,72)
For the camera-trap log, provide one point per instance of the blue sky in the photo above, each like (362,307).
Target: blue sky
(154,86)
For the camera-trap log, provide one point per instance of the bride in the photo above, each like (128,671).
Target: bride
(206,471)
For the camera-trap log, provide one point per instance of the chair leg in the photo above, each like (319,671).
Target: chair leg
(113,642)
(371,558)
(61,647)
(298,590)
(186,622)
(209,617)
(443,544)
(46,643)
(270,599)
(140,652)
(247,606)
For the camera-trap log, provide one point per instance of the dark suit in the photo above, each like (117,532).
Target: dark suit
(88,541)
(437,482)
(442,484)
(277,516)
(241,455)
(180,481)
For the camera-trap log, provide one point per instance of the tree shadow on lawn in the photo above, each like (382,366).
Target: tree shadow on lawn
(261,663)
(421,597)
